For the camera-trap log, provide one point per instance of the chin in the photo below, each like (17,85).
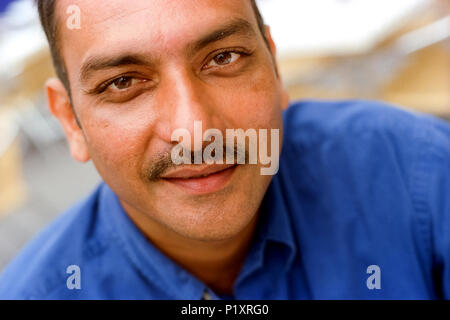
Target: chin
(215,222)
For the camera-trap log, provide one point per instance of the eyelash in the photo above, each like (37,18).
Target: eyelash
(239,51)
(103,86)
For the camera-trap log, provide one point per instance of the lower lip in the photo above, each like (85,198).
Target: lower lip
(209,184)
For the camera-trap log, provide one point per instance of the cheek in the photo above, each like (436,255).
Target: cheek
(256,102)
(117,141)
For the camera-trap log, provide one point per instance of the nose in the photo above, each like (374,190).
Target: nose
(189,106)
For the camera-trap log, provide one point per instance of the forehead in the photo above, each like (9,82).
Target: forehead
(156,25)
(155,12)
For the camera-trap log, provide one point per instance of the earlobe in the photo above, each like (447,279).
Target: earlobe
(60,107)
(284,99)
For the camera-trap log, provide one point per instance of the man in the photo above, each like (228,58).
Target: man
(359,207)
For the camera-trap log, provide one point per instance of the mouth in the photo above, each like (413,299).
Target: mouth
(199,180)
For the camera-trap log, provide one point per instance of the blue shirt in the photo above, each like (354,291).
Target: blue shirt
(360,209)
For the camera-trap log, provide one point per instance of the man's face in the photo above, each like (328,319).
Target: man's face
(140,71)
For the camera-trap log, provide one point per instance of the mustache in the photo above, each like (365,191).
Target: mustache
(164,161)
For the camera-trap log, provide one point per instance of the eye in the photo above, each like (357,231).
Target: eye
(223,59)
(122,83)
(122,86)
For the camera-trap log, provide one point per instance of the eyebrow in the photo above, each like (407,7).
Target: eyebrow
(97,63)
(237,26)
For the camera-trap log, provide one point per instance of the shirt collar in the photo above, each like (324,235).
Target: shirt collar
(274,226)
(151,263)
(276,223)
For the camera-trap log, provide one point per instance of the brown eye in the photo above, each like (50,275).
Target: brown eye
(223,59)
(122,83)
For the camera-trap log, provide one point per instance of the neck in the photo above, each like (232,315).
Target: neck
(216,263)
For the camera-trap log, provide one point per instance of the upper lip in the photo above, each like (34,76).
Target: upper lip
(196,171)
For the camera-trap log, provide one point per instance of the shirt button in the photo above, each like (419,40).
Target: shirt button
(206,295)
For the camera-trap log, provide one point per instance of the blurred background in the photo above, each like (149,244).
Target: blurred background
(392,50)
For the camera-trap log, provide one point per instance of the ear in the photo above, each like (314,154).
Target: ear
(273,49)
(272,46)
(60,107)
